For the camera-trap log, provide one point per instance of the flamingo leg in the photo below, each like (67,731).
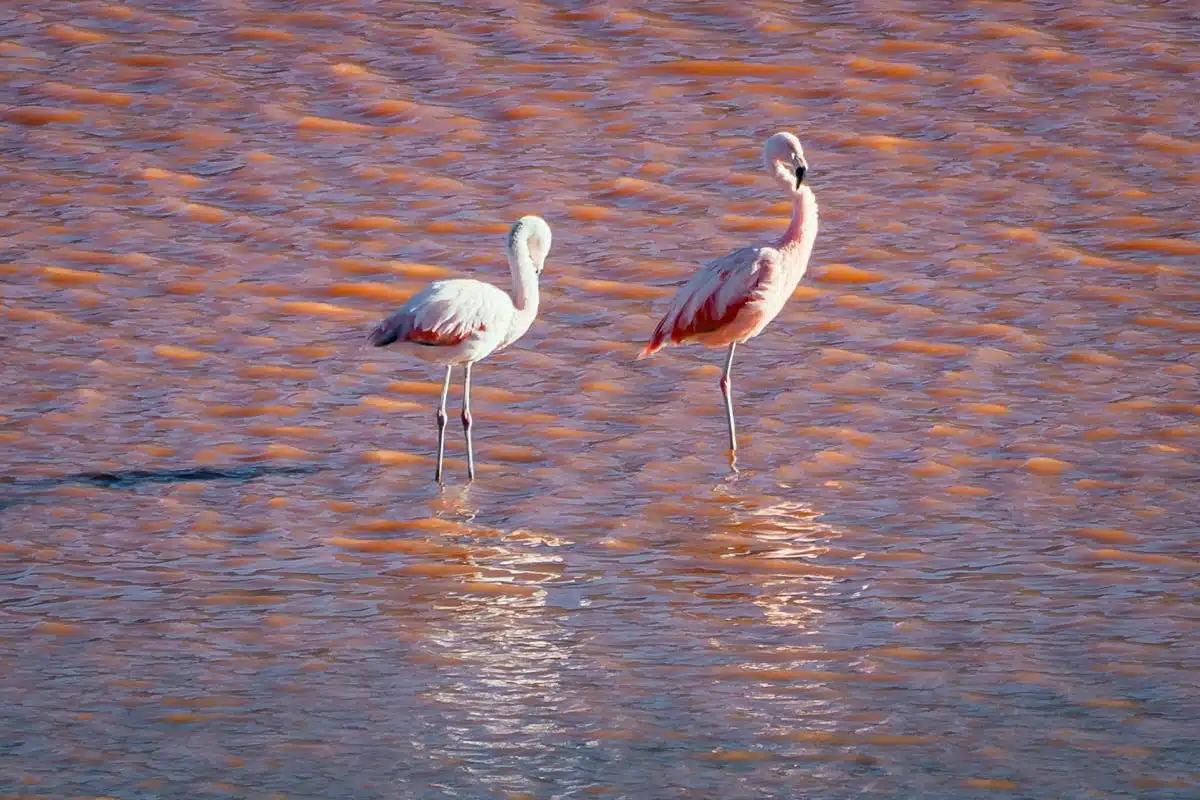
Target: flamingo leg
(466,421)
(727,390)
(441,425)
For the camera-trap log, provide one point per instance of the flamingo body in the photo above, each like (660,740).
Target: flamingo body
(453,322)
(461,321)
(731,299)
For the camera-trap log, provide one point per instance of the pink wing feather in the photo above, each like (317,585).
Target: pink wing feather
(444,314)
(714,296)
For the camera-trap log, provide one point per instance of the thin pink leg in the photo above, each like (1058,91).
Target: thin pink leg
(727,390)
(441,426)
(466,421)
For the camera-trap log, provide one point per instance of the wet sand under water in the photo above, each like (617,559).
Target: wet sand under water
(960,559)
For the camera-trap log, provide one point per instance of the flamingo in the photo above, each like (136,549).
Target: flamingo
(462,321)
(731,299)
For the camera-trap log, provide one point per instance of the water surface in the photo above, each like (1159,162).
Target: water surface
(960,559)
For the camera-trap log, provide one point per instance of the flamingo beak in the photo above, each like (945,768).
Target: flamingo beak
(801,171)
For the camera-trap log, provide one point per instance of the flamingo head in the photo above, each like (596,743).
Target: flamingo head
(784,157)
(530,236)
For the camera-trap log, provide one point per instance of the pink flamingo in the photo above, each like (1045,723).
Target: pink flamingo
(463,321)
(730,300)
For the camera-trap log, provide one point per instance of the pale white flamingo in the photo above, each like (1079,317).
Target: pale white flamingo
(462,321)
(730,300)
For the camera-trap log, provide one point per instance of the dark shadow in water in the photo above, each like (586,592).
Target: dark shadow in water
(14,491)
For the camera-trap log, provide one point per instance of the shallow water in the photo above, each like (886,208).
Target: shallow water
(960,558)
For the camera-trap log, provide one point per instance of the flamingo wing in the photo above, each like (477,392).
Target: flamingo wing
(715,295)
(445,314)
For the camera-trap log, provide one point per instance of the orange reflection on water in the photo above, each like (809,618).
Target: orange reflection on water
(958,555)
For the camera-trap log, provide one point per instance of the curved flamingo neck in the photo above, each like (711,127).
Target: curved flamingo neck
(524,275)
(798,239)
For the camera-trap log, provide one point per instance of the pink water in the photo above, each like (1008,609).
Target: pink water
(960,559)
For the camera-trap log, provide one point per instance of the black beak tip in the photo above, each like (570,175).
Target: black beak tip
(801,171)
